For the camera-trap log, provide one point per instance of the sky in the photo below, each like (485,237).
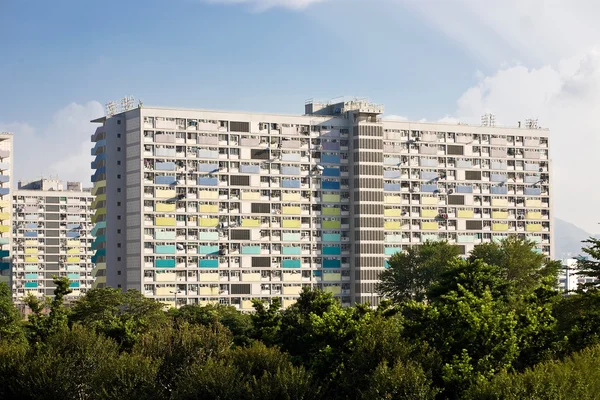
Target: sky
(450,60)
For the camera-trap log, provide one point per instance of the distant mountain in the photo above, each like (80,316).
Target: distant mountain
(567,239)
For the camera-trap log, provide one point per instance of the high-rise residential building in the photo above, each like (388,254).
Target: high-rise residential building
(6,169)
(51,237)
(198,206)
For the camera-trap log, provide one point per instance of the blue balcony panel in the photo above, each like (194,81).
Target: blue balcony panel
(330,185)
(331,172)
(205,181)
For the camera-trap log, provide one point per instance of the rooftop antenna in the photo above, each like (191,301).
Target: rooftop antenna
(111,108)
(488,119)
(531,123)
(127,103)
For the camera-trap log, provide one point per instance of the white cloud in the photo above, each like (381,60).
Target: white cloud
(60,149)
(449,120)
(394,118)
(566,99)
(532,31)
(261,5)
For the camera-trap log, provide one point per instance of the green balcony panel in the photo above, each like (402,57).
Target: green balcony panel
(208,236)
(291,264)
(165,249)
(332,264)
(165,263)
(208,250)
(291,237)
(209,264)
(291,250)
(388,251)
(251,250)
(31,285)
(332,237)
(331,224)
(164,235)
(332,250)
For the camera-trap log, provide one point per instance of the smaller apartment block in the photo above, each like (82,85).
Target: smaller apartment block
(6,146)
(51,236)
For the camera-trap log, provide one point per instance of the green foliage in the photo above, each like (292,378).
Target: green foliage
(412,273)
(11,328)
(266,320)
(123,316)
(521,265)
(42,325)
(590,265)
(240,325)
(577,377)
(403,381)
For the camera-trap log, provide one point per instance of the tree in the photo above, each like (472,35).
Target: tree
(11,328)
(266,321)
(402,381)
(590,266)
(42,325)
(412,273)
(520,263)
(121,316)
(239,324)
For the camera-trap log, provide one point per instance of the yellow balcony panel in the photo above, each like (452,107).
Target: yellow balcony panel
(429,226)
(291,277)
(533,227)
(31,259)
(331,198)
(164,207)
(165,193)
(165,277)
(164,221)
(290,196)
(392,200)
(499,227)
(393,225)
(208,195)
(31,251)
(246,304)
(209,222)
(73,251)
(465,214)
(499,202)
(429,201)
(392,212)
(533,203)
(250,195)
(4,203)
(4,216)
(253,277)
(73,243)
(209,208)
(290,223)
(208,302)
(331,211)
(253,223)
(31,242)
(75,260)
(291,211)
(334,277)
(332,289)
(209,277)
(4,228)
(97,186)
(499,214)
(164,291)
(288,302)
(533,215)
(209,291)
(429,213)
(292,290)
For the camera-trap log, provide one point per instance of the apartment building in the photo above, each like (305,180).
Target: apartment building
(51,237)
(6,169)
(198,206)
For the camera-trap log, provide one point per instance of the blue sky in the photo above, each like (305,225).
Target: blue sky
(423,59)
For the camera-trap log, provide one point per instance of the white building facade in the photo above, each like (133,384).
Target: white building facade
(6,174)
(223,207)
(51,237)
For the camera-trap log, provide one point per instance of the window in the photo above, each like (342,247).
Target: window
(118,231)
(118,204)
(118,149)
(118,176)
(119,245)
(118,217)
(118,258)
(118,162)
(118,272)
(119,286)
(118,122)
(118,135)
(118,190)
